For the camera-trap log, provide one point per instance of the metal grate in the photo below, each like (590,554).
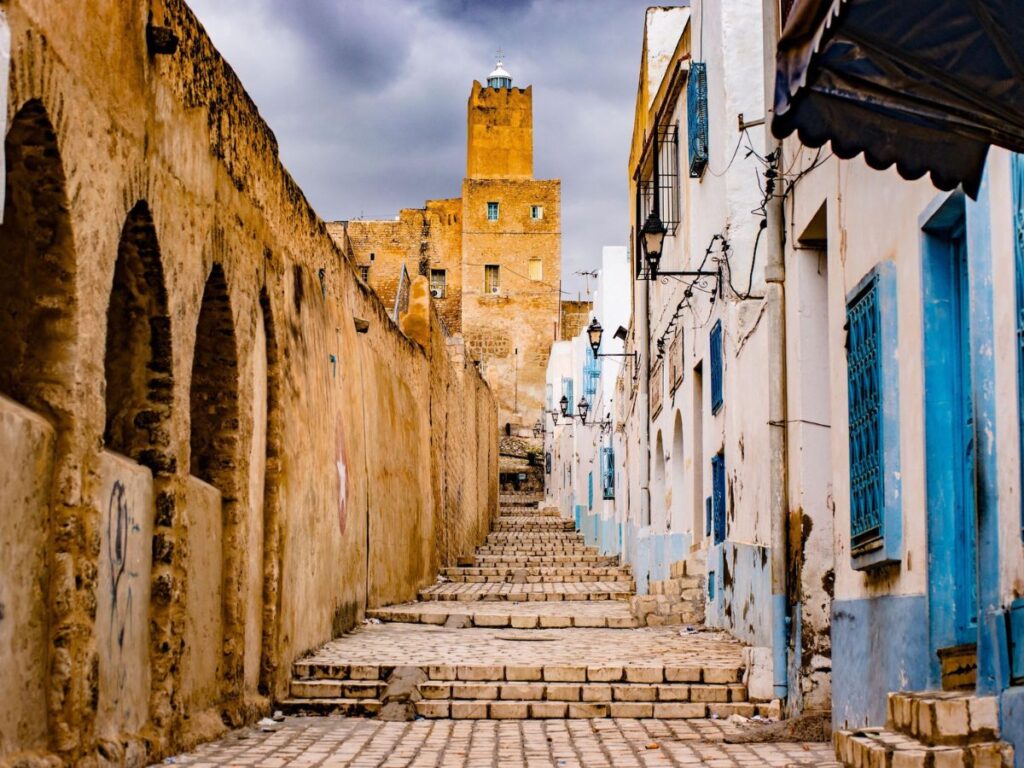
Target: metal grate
(865,412)
(717,396)
(718,496)
(697,118)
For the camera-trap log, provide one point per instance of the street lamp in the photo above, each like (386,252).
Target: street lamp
(583,406)
(563,404)
(594,334)
(538,428)
(653,235)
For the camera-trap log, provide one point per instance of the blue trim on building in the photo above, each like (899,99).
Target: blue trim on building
(877,647)
(993,674)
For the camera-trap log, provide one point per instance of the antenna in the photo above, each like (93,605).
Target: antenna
(500,56)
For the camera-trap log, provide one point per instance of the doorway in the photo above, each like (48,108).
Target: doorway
(950,446)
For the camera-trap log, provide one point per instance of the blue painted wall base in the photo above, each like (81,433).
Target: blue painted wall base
(877,647)
(1011,713)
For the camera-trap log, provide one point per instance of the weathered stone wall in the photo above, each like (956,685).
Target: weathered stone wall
(499,131)
(575,318)
(209,469)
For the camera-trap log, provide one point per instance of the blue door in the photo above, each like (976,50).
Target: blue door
(718,496)
(949,436)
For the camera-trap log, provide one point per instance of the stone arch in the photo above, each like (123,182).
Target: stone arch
(214,459)
(138,360)
(678,474)
(38,333)
(37,270)
(658,483)
(274,452)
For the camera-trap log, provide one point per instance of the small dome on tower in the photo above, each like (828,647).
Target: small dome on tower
(499,78)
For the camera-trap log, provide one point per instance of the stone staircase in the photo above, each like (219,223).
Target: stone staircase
(677,600)
(535,625)
(937,729)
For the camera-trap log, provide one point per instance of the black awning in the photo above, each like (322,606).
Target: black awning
(925,84)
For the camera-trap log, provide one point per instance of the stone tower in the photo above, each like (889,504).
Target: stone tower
(511,250)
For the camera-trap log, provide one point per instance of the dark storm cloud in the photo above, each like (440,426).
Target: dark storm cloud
(368,97)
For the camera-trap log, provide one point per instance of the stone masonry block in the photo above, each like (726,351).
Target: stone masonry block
(631,709)
(548,709)
(432,709)
(561,674)
(469,710)
(524,674)
(678,710)
(481,672)
(509,710)
(562,692)
(645,674)
(521,692)
(588,710)
(604,674)
(634,692)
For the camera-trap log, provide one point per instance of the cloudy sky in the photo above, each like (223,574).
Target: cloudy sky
(367,98)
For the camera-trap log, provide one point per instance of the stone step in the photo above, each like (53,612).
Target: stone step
(611,614)
(341,707)
(534,550)
(871,747)
(537,574)
(531,524)
(937,718)
(485,709)
(602,693)
(336,689)
(531,537)
(715,684)
(598,590)
(512,561)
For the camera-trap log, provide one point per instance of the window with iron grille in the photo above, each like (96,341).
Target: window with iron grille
(608,472)
(863,355)
(697,118)
(718,496)
(715,352)
(492,278)
(438,283)
(567,394)
(591,375)
(667,158)
(1017,171)
(675,360)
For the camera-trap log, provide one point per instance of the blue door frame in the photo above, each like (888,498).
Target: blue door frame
(950,446)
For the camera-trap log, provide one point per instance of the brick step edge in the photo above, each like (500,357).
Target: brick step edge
(521,597)
(875,746)
(498,621)
(618,578)
(547,710)
(344,707)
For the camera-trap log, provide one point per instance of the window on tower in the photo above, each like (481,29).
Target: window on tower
(492,211)
(536,212)
(492,278)
(438,283)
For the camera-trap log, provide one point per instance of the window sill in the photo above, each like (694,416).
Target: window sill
(875,554)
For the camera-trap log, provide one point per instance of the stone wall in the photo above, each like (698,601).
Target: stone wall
(217,447)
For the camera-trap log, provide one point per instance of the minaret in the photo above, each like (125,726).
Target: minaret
(500,128)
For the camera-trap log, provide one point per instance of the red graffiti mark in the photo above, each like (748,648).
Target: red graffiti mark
(341,462)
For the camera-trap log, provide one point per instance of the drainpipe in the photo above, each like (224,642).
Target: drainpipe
(775,296)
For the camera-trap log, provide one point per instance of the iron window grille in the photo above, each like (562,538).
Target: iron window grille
(865,414)
(667,158)
(608,472)
(715,342)
(697,118)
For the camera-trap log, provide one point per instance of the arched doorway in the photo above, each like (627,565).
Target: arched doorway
(658,485)
(38,332)
(678,477)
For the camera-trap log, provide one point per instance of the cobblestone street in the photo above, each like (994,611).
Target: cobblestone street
(618,743)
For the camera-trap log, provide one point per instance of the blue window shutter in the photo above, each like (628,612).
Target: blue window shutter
(567,393)
(697,118)
(591,375)
(590,490)
(718,496)
(1017,172)
(717,398)
(865,414)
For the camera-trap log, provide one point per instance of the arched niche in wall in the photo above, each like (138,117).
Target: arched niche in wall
(37,370)
(214,653)
(138,360)
(658,484)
